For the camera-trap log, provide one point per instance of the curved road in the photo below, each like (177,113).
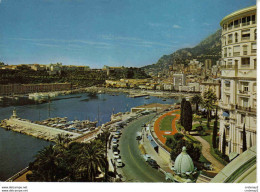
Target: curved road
(135,168)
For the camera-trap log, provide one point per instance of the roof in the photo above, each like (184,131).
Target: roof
(183,163)
(237,13)
(153,144)
(241,170)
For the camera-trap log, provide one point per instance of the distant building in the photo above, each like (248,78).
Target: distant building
(178,80)
(54,69)
(238,79)
(11,89)
(213,84)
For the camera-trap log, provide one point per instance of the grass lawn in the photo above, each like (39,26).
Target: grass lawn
(208,138)
(177,112)
(166,123)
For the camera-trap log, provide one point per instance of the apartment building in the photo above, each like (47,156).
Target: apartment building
(238,79)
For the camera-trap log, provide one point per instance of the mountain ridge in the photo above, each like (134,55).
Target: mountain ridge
(208,48)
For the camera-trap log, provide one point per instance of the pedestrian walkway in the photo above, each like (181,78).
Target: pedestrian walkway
(160,134)
(206,153)
(154,155)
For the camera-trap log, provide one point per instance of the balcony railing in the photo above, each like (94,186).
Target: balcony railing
(245,66)
(244,52)
(253,51)
(230,41)
(236,26)
(225,54)
(245,38)
(243,92)
(236,53)
(245,108)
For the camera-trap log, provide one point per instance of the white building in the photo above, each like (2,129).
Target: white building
(238,79)
(179,80)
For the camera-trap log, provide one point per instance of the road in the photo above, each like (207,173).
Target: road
(135,168)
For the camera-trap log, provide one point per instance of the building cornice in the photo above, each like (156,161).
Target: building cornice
(239,12)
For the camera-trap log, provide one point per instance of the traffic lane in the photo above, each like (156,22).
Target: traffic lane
(135,168)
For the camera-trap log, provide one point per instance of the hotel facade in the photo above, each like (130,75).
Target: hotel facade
(238,79)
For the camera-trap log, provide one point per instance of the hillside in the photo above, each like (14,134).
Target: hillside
(209,48)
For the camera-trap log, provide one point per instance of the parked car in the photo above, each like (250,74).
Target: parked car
(138,136)
(119,163)
(116,155)
(114,141)
(147,157)
(153,163)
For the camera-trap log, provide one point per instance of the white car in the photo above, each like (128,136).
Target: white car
(114,141)
(116,156)
(119,163)
(147,157)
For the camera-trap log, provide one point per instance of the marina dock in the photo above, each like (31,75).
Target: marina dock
(35,130)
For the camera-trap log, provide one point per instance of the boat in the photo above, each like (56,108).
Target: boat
(147,97)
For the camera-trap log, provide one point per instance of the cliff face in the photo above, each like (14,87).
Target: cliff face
(209,48)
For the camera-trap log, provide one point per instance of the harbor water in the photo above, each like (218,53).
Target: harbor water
(17,150)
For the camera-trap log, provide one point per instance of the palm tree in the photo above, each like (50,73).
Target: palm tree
(209,100)
(196,99)
(45,167)
(89,163)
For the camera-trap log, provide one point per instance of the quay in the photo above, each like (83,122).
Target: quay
(33,129)
(138,95)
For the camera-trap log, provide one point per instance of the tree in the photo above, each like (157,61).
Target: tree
(194,150)
(90,162)
(215,130)
(224,143)
(209,100)
(187,116)
(46,166)
(244,138)
(196,99)
(182,110)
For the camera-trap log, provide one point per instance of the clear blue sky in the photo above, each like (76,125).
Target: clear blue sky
(106,32)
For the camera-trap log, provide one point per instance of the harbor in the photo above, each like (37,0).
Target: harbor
(80,107)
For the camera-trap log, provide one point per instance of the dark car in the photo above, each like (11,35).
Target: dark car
(153,163)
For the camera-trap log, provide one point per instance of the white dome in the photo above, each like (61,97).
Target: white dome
(183,163)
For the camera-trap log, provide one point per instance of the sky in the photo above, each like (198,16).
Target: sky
(131,33)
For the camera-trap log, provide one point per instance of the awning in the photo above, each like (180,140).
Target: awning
(225,114)
(153,144)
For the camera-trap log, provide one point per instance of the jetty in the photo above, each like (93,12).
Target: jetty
(29,128)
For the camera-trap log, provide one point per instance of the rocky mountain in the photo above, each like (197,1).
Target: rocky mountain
(209,48)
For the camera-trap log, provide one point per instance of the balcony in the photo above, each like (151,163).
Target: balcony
(230,41)
(245,38)
(253,51)
(249,109)
(245,66)
(237,26)
(243,92)
(236,54)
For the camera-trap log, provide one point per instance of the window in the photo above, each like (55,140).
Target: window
(230,25)
(244,49)
(255,64)
(255,34)
(225,52)
(230,38)
(236,50)
(236,37)
(253,19)
(245,62)
(245,102)
(237,23)
(243,118)
(253,48)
